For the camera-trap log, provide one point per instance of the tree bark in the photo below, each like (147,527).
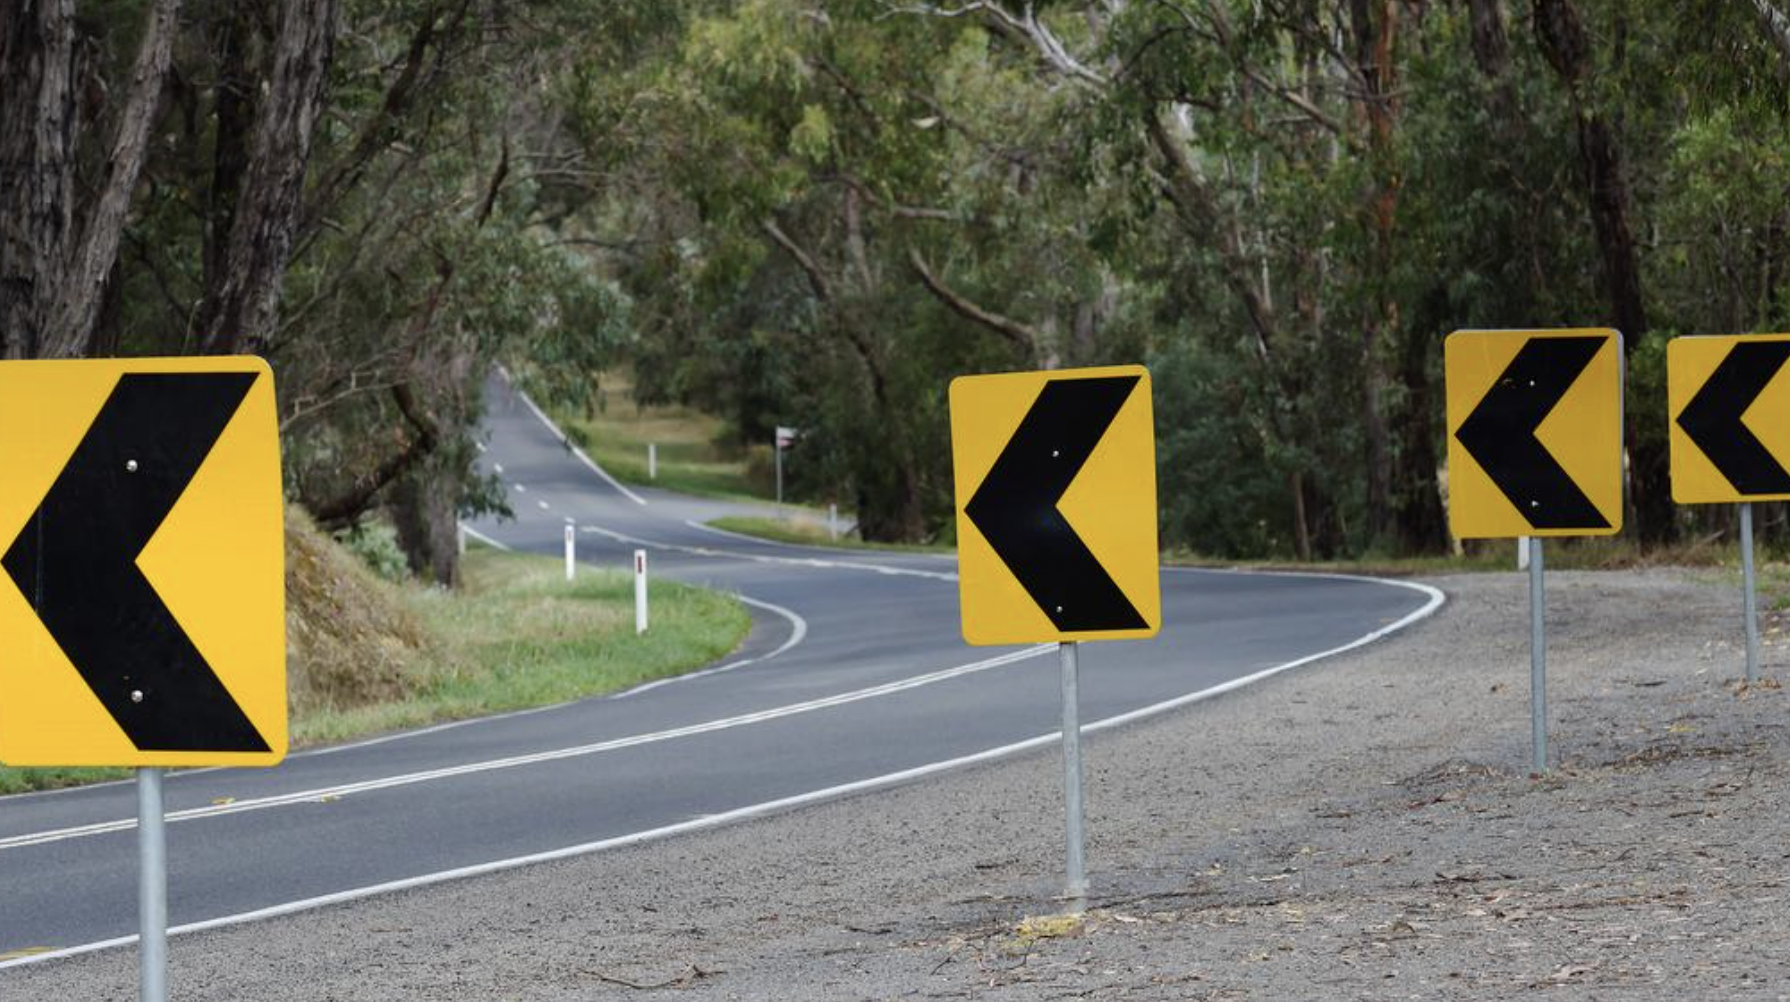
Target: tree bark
(239,311)
(1560,34)
(55,267)
(37,137)
(1375,25)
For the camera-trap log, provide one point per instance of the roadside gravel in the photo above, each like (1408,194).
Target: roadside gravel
(1360,829)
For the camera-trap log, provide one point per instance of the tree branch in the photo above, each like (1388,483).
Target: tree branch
(817,279)
(1775,23)
(1023,335)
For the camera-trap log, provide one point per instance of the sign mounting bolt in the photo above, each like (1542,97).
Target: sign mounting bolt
(136,695)
(130,466)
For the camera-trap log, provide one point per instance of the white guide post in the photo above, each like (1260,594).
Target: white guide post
(639,592)
(571,552)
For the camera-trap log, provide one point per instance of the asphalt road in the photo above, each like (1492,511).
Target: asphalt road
(854,677)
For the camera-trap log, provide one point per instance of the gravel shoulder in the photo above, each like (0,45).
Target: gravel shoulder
(1361,829)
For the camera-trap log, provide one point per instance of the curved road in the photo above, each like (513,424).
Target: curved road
(854,677)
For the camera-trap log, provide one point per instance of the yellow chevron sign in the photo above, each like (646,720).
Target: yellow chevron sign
(142,564)
(1056,505)
(1534,433)
(1729,399)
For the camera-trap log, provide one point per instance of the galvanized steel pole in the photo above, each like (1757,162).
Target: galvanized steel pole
(1752,592)
(1076,887)
(152,887)
(1538,659)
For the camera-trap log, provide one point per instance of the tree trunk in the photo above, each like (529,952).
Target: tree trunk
(239,311)
(55,266)
(1560,34)
(423,510)
(1375,25)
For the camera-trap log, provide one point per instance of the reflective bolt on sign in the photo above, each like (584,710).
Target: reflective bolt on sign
(1056,505)
(142,603)
(1534,433)
(1729,398)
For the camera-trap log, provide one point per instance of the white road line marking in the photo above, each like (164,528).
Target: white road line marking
(481,537)
(822,547)
(519,489)
(798,631)
(497,468)
(544,505)
(765,558)
(1436,599)
(535,758)
(582,458)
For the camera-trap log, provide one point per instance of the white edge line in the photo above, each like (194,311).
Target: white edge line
(822,547)
(481,537)
(891,570)
(798,632)
(298,797)
(586,460)
(1436,598)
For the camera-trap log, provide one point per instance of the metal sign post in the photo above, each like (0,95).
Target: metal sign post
(1076,886)
(1724,394)
(1752,592)
(1538,659)
(152,887)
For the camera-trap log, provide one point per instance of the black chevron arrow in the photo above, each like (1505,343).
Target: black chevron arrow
(1016,506)
(1500,433)
(1712,418)
(76,561)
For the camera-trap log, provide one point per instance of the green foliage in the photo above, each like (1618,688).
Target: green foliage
(376,545)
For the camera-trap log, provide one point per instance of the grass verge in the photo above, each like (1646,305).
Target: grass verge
(516,635)
(807,530)
(690,458)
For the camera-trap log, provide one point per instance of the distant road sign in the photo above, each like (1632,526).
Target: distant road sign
(143,601)
(1534,433)
(787,436)
(1056,505)
(1730,403)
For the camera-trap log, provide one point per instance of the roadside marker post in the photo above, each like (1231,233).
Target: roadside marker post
(833,521)
(652,461)
(142,582)
(784,438)
(571,552)
(1730,437)
(639,592)
(1534,450)
(1056,530)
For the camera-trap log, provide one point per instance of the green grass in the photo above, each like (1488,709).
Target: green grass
(517,635)
(690,458)
(810,529)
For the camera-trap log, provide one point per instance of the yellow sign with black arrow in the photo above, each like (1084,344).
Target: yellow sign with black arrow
(1730,405)
(141,538)
(1534,433)
(1056,505)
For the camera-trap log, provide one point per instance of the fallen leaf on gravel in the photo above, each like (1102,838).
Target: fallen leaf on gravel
(1443,876)
(1570,971)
